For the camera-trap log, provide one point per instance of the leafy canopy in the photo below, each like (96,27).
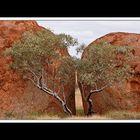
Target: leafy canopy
(32,50)
(37,49)
(67,40)
(66,70)
(104,63)
(81,48)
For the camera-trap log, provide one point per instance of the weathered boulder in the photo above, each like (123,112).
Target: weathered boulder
(20,96)
(114,98)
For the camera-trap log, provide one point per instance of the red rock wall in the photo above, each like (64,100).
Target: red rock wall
(21,96)
(115,98)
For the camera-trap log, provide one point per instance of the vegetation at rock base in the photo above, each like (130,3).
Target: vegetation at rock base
(102,66)
(38,51)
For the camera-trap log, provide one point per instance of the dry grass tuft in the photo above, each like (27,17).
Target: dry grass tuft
(112,115)
(123,115)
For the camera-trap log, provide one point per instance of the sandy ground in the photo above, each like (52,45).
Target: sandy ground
(78,99)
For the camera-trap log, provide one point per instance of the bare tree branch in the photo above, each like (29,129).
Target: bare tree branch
(43,79)
(31,80)
(64,94)
(99,90)
(54,94)
(39,81)
(96,86)
(31,71)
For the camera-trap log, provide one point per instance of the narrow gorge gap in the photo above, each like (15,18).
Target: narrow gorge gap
(78,100)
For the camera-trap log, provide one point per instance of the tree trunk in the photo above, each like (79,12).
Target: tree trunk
(90,102)
(39,83)
(64,105)
(90,106)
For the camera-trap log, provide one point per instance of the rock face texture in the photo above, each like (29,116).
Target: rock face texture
(114,98)
(20,96)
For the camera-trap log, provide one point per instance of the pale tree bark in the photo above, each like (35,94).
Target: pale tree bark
(39,82)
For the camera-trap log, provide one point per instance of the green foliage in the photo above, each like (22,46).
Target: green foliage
(37,49)
(67,40)
(67,69)
(81,48)
(104,63)
(33,50)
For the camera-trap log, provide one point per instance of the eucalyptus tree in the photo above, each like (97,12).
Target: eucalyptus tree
(101,66)
(32,56)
